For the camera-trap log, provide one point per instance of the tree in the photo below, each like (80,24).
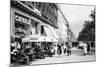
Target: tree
(88,31)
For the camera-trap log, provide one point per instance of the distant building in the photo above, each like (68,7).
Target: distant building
(64,30)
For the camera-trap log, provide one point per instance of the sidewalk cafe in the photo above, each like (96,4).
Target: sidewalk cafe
(44,42)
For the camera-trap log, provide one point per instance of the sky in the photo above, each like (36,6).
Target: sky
(76,15)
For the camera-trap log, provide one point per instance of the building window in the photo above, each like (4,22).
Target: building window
(35,26)
(43,31)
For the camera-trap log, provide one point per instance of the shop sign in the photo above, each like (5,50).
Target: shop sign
(21,19)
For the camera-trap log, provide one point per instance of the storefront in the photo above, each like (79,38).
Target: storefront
(30,28)
(23,24)
(20,24)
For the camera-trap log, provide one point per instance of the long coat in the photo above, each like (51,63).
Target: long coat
(85,47)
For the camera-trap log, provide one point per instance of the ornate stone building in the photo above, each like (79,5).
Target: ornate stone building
(33,18)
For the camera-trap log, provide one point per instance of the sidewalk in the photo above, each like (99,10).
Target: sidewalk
(77,56)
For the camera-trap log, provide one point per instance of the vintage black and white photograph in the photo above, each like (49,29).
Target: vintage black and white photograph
(51,33)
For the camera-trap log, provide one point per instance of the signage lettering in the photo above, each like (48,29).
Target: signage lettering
(21,19)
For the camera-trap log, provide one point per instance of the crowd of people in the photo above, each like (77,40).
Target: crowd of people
(63,48)
(66,48)
(87,46)
(47,49)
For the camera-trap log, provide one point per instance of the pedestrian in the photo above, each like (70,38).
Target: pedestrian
(55,49)
(68,49)
(59,49)
(13,45)
(85,48)
(64,49)
(18,46)
(88,47)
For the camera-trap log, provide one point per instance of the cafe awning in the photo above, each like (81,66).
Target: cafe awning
(48,32)
(33,38)
(51,34)
(39,39)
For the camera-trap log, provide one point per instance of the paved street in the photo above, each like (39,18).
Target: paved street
(77,56)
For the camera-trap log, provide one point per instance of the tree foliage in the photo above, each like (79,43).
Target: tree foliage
(88,31)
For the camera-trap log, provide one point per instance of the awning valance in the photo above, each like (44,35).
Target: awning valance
(39,39)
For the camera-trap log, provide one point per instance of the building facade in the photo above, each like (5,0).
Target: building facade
(39,19)
(33,18)
(64,31)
